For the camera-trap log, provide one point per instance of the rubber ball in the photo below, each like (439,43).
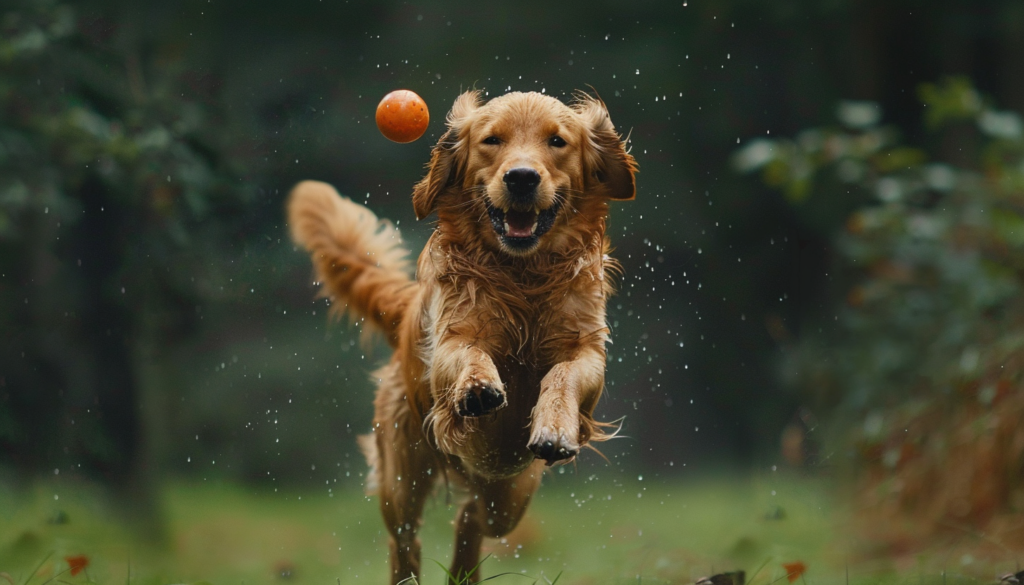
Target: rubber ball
(402,116)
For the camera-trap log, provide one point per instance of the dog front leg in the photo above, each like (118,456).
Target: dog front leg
(465,383)
(568,394)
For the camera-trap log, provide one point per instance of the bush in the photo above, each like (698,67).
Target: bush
(922,353)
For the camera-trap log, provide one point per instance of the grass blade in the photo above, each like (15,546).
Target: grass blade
(39,566)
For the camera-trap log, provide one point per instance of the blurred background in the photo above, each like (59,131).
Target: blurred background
(823,264)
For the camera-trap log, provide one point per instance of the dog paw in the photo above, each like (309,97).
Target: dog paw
(553,447)
(481,398)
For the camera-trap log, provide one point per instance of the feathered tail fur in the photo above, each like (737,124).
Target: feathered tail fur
(359,259)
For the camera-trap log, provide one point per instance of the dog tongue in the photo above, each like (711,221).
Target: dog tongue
(519,223)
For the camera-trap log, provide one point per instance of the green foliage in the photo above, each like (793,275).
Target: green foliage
(929,287)
(955,100)
(82,110)
(118,214)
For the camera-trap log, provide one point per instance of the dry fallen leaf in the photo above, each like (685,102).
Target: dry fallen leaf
(794,570)
(77,563)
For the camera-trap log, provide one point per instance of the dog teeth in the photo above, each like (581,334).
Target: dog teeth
(533,228)
(536,209)
(507,228)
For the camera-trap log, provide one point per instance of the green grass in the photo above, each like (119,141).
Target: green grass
(586,529)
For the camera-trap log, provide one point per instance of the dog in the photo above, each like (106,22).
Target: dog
(500,339)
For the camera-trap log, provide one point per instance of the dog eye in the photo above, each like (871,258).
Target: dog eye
(492,140)
(556,141)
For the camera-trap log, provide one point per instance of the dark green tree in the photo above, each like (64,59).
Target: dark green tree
(118,210)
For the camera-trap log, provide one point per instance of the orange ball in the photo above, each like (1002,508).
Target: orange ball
(402,116)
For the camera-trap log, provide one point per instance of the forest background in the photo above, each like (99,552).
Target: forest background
(157,322)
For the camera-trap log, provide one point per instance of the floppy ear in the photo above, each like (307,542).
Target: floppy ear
(608,166)
(447,159)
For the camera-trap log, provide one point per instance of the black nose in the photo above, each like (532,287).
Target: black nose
(522,182)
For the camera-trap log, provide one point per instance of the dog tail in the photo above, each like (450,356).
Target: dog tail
(359,259)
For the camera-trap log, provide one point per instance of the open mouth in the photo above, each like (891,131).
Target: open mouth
(520,229)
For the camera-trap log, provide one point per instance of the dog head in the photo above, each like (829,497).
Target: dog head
(515,169)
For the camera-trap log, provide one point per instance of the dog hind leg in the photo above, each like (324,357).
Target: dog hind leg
(406,470)
(494,508)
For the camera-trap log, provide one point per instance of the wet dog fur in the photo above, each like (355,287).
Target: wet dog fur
(500,339)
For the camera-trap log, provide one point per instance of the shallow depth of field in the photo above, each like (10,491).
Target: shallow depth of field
(818,357)
(597,529)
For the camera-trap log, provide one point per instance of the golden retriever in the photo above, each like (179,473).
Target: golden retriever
(500,340)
